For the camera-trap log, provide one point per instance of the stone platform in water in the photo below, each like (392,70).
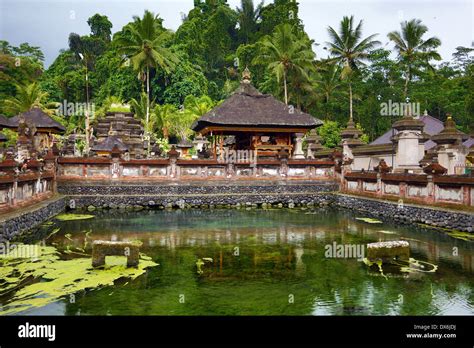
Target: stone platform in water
(103,248)
(388,251)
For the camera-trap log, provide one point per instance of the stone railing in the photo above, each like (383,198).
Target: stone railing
(426,189)
(98,168)
(22,189)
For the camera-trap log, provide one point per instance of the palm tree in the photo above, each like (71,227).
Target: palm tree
(143,42)
(413,51)
(198,106)
(328,82)
(248,16)
(163,118)
(140,108)
(27,97)
(284,51)
(349,50)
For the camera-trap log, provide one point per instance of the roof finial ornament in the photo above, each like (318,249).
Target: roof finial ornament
(246,75)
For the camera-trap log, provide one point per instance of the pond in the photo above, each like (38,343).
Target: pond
(257,262)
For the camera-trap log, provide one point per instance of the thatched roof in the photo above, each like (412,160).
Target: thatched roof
(38,118)
(4,122)
(247,107)
(109,143)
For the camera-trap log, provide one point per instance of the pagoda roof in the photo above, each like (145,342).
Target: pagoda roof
(40,119)
(249,108)
(108,144)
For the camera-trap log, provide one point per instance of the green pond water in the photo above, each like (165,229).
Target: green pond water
(264,262)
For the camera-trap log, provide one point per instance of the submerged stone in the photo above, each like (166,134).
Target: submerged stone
(387,252)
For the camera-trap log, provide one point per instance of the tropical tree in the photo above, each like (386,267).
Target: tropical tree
(348,49)
(198,106)
(143,42)
(328,82)
(140,108)
(164,116)
(248,16)
(413,51)
(284,51)
(27,97)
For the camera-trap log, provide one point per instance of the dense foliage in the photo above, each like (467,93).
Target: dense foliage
(170,78)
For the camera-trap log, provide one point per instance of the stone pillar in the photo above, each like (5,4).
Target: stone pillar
(283,156)
(430,188)
(298,151)
(451,153)
(229,170)
(408,150)
(173,157)
(379,185)
(403,189)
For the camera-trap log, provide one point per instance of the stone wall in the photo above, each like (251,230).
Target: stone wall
(12,224)
(120,195)
(406,213)
(172,169)
(425,189)
(23,189)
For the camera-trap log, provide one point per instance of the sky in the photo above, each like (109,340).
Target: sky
(48,23)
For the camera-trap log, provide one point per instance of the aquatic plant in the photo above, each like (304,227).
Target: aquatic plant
(57,279)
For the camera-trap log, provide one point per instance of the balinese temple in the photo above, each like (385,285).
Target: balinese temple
(4,123)
(413,144)
(38,124)
(256,121)
(121,129)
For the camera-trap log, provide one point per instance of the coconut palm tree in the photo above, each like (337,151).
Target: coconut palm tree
(143,42)
(285,51)
(27,97)
(413,51)
(328,82)
(248,17)
(348,49)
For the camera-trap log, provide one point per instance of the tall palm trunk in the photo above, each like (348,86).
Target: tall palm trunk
(147,131)
(87,147)
(350,101)
(286,89)
(407,81)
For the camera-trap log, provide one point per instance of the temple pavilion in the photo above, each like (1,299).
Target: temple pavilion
(39,125)
(256,121)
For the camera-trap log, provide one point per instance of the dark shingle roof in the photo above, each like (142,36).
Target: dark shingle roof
(4,122)
(3,137)
(108,144)
(247,107)
(432,126)
(39,119)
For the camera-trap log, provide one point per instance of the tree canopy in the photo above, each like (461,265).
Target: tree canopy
(176,76)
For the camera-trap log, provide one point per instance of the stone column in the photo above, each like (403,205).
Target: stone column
(379,185)
(298,151)
(430,188)
(173,168)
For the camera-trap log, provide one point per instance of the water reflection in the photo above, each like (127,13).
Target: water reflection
(261,257)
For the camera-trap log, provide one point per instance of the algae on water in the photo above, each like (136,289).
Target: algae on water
(72,217)
(370,220)
(60,278)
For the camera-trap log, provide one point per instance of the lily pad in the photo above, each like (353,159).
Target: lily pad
(72,217)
